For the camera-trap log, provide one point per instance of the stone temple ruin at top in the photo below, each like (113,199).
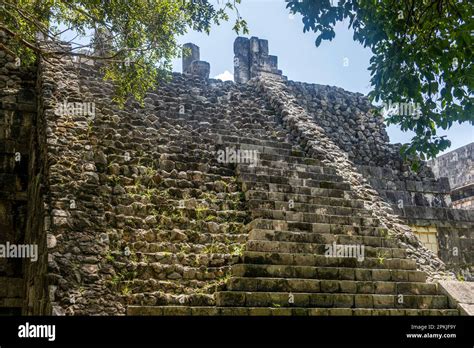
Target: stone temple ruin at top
(133,213)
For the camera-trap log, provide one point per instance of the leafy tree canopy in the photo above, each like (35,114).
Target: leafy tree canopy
(422,56)
(135,39)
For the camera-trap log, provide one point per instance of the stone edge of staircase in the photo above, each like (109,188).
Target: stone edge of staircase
(460,295)
(278,311)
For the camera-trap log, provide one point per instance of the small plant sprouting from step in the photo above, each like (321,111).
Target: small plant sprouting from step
(201,211)
(460,277)
(295,152)
(212,198)
(213,248)
(114,180)
(90,125)
(126,290)
(381,256)
(69,122)
(109,256)
(111,163)
(184,248)
(123,277)
(237,250)
(150,171)
(221,183)
(115,280)
(132,256)
(149,193)
(216,284)
(138,184)
(144,258)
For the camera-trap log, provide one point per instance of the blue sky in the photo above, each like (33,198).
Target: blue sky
(299,58)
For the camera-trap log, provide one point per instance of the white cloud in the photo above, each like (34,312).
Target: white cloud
(225,76)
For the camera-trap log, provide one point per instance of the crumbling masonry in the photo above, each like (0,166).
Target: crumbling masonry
(133,213)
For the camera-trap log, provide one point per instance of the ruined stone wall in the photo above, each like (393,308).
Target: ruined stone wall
(251,59)
(420,199)
(38,292)
(131,206)
(348,119)
(137,208)
(74,223)
(17,113)
(458,167)
(320,145)
(351,123)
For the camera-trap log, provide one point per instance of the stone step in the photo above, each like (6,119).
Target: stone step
(212,120)
(207,167)
(314,168)
(294,285)
(320,249)
(249,131)
(255,204)
(159,298)
(292,216)
(175,154)
(174,272)
(255,141)
(295,182)
(329,300)
(320,238)
(262,132)
(199,213)
(258,170)
(262,149)
(180,258)
(310,259)
(269,311)
(295,226)
(289,159)
(299,190)
(170,289)
(176,235)
(184,247)
(201,226)
(284,198)
(187,146)
(327,273)
(226,202)
(176,220)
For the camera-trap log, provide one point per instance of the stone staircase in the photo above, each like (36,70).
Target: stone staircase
(187,234)
(298,207)
(179,211)
(142,218)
